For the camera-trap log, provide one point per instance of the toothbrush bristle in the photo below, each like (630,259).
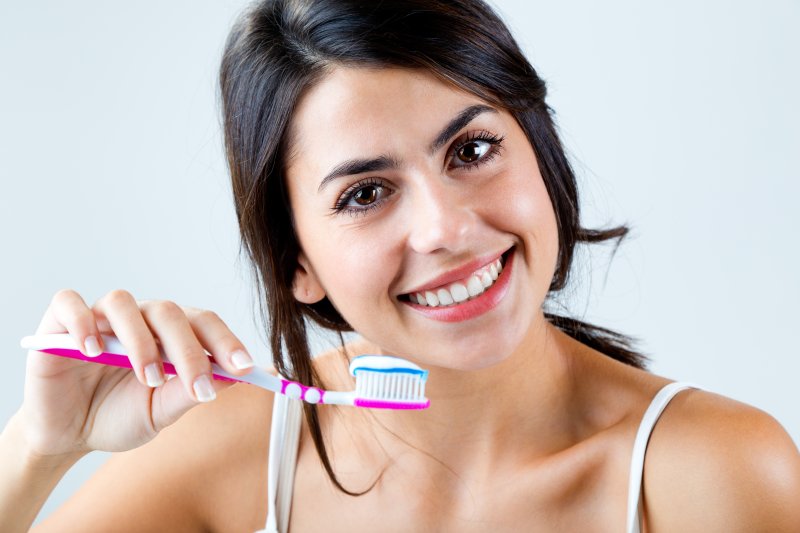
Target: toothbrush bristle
(397,390)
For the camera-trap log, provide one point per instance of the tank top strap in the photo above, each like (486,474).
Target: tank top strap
(283,442)
(660,401)
(285,437)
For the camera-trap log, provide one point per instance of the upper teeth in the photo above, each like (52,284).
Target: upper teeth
(460,291)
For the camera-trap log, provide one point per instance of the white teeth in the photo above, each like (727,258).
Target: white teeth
(431,298)
(459,292)
(474,286)
(445,298)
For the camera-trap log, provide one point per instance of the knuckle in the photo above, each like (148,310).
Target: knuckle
(193,356)
(206,316)
(65,295)
(118,297)
(166,310)
(230,342)
(85,321)
(141,347)
(229,338)
(191,311)
(231,353)
(144,348)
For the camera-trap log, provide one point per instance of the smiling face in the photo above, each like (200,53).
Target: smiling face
(406,192)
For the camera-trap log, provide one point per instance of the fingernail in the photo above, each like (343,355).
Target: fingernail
(203,389)
(152,374)
(241,360)
(92,347)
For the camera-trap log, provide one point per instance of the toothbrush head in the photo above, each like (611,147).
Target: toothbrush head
(388,382)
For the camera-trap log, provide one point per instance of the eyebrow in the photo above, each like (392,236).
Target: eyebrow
(384,162)
(358,166)
(454,126)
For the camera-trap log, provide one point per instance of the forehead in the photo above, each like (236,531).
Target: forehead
(360,112)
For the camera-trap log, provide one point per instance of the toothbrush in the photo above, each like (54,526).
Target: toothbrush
(382,381)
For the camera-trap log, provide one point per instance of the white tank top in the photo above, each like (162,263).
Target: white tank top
(285,436)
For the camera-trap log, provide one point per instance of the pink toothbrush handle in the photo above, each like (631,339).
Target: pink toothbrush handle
(122,361)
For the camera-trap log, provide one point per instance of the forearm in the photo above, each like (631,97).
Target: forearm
(25,479)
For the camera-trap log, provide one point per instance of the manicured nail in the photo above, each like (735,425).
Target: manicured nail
(152,374)
(91,347)
(203,389)
(241,360)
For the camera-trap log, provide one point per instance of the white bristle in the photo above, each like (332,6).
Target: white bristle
(390,386)
(384,378)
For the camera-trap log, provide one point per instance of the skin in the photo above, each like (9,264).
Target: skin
(528,429)
(434,214)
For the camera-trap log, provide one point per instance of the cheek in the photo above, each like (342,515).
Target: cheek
(523,199)
(353,269)
(526,210)
(352,262)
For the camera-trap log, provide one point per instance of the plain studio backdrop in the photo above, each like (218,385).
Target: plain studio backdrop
(681,119)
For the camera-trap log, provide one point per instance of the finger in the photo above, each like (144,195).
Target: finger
(228,351)
(125,318)
(170,402)
(68,312)
(170,324)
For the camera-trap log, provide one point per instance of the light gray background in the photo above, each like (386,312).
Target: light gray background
(681,117)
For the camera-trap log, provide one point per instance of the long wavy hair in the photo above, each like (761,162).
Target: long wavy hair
(278,49)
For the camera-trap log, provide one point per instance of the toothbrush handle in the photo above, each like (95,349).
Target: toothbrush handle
(61,344)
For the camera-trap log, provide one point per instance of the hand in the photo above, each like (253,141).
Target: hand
(72,407)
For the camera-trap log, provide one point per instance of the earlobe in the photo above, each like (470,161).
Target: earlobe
(306,287)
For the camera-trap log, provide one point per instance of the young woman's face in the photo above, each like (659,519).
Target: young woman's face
(405,191)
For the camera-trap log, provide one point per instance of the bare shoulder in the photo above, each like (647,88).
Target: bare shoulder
(206,472)
(716,464)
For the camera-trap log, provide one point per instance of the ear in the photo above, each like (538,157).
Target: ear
(306,287)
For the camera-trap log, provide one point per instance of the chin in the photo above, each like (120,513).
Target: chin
(464,360)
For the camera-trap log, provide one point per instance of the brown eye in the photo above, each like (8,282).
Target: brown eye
(366,195)
(472,151)
(363,196)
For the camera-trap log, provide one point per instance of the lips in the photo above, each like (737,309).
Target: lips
(470,307)
(471,286)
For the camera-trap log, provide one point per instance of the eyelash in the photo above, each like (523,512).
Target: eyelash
(495,147)
(347,195)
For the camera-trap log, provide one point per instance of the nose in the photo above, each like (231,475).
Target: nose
(441,218)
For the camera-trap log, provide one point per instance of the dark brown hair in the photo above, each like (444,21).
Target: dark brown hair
(279,48)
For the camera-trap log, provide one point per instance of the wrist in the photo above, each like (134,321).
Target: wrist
(26,477)
(28,458)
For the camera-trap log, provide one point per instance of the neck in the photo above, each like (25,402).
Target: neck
(521,404)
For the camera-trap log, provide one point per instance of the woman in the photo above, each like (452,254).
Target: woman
(383,155)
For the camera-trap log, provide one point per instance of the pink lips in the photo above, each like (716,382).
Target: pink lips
(470,308)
